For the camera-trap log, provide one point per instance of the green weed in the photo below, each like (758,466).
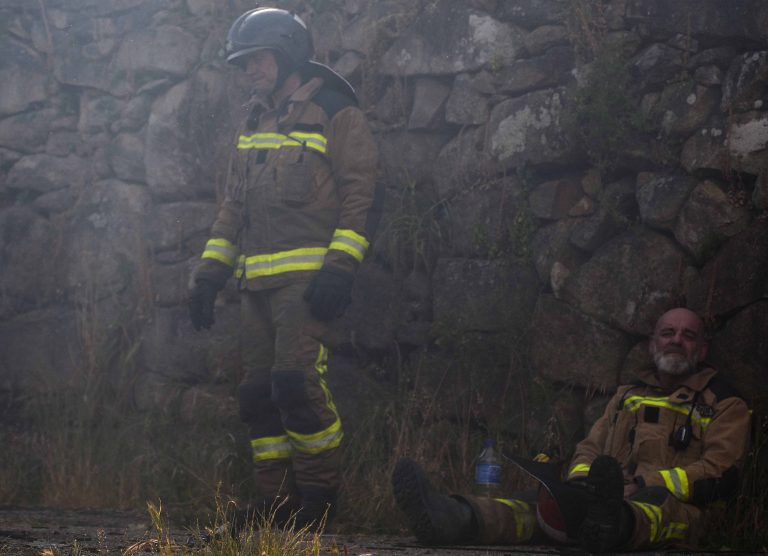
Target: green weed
(604,120)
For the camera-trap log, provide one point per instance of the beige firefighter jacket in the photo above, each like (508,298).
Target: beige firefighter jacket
(299,195)
(638,423)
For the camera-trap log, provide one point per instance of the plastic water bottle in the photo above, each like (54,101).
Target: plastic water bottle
(488,471)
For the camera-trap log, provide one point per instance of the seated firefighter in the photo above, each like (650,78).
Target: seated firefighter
(664,448)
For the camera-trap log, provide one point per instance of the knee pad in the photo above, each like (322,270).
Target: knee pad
(254,400)
(288,389)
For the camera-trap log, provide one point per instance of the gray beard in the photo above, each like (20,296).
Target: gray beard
(673,364)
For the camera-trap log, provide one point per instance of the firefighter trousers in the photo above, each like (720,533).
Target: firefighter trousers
(294,426)
(660,520)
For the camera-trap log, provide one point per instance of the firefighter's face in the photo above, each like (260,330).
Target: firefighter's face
(261,67)
(678,343)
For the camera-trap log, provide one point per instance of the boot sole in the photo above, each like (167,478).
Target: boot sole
(600,529)
(408,484)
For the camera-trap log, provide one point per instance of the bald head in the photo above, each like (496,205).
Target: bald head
(678,344)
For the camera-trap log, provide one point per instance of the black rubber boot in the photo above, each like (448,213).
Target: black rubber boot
(317,509)
(609,522)
(433,517)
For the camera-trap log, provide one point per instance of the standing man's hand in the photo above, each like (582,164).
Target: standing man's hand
(329,294)
(202,298)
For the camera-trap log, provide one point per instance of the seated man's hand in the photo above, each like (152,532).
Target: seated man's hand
(630,489)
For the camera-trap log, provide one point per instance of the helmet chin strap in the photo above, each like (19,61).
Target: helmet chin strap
(284,70)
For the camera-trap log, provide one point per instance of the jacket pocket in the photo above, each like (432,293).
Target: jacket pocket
(294,176)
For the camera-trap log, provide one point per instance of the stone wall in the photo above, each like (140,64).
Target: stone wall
(557,174)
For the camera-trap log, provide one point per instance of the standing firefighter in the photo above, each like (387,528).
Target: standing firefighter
(295,224)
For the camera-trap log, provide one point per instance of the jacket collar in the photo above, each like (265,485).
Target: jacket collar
(257,106)
(696,382)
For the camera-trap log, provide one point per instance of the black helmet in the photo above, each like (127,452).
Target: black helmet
(273,29)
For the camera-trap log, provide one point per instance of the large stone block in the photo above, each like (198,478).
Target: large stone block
(710,19)
(709,217)
(482,295)
(746,83)
(748,142)
(550,69)
(172,349)
(188,138)
(684,107)
(466,105)
(740,351)
(126,157)
(594,230)
(41,348)
(449,38)
(408,158)
(30,262)
(553,199)
(736,276)
(630,281)
(463,162)
(658,64)
(527,129)
(41,173)
(545,37)
(551,246)
(479,220)
(106,246)
(532,13)
(170,225)
(706,150)
(371,320)
(429,97)
(23,75)
(375,25)
(572,348)
(26,132)
(165,50)
(661,196)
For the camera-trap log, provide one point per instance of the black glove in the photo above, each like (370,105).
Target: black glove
(201,300)
(329,293)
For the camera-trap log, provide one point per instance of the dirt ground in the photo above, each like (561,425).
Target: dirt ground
(43,531)
(48,532)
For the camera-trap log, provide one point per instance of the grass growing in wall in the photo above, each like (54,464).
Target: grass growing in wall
(603,113)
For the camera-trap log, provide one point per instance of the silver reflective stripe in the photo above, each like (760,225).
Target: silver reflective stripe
(318,445)
(283,264)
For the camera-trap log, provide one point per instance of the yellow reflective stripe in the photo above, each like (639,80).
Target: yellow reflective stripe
(330,437)
(240,268)
(309,258)
(524,518)
(221,250)
(633,403)
(653,513)
(676,481)
(350,242)
(321,366)
(578,468)
(676,530)
(318,442)
(271,447)
(321,362)
(313,141)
